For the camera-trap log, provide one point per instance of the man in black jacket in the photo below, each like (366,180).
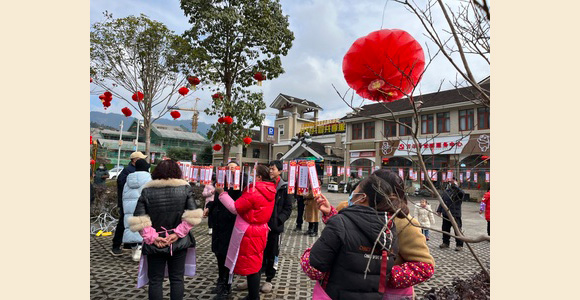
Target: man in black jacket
(121,180)
(453,198)
(281,213)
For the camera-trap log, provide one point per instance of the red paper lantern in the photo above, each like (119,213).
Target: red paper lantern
(106,104)
(217,147)
(126,111)
(259,77)
(220,120)
(247,140)
(91,139)
(102,97)
(138,96)
(91,79)
(183,91)
(175,114)
(193,80)
(217,96)
(384,65)
(228,120)
(108,96)
(92,161)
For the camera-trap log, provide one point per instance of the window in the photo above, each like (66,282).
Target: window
(443,123)
(244,151)
(483,118)
(281,129)
(369,130)
(466,119)
(256,153)
(390,128)
(402,129)
(427,125)
(357,131)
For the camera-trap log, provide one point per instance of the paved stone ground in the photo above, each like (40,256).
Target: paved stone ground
(115,277)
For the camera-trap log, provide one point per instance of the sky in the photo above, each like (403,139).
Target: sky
(324,31)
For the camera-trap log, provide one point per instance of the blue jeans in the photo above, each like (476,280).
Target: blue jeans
(425,232)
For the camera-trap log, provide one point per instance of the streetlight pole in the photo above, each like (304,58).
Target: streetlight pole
(120,143)
(137,138)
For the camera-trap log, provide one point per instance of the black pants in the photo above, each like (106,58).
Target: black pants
(118,237)
(253,286)
(300,207)
(270,254)
(446,226)
(488,228)
(223,271)
(156,272)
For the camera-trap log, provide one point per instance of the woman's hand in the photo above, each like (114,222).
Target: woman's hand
(323,204)
(205,212)
(219,190)
(160,242)
(172,238)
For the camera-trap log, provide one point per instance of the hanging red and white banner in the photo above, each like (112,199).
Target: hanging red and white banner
(255,168)
(237,178)
(450,175)
(195,176)
(329,171)
(153,157)
(285,167)
(209,175)
(415,175)
(475,176)
(411,174)
(313,178)
(444,176)
(360,174)
(194,157)
(229,180)
(292,177)
(402,173)
(432,175)
(347,171)
(468,175)
(302,178)
(221,174)
(460,177)
(422,176)
(486,176)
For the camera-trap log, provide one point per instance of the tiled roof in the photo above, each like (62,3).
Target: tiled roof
(300,101)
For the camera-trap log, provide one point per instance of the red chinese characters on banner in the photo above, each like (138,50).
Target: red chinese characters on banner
(292,177)
(486,176)
(445,145)
(313,178)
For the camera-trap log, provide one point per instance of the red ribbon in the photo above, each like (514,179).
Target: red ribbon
(383,278)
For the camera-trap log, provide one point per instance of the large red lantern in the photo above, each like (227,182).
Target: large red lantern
(259,77)
(183,91)
(217,147)
(247,140)
(138,96)
(384,66)
(175,114)
(228,120)
(126,111)
(106,104)
(220,120)
(193,81)
(217,96)
(108,96)
(102,97)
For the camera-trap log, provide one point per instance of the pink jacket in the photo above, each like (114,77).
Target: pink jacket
(208,192)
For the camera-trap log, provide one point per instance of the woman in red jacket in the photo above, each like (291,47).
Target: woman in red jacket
(485,207)
(248,241)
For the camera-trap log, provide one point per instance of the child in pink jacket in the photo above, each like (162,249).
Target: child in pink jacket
(208,193)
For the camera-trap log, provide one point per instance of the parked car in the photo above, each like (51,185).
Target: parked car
(332,187)
(114,172)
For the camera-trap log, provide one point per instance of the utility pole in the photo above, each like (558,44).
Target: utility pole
(120,143)
(137,138)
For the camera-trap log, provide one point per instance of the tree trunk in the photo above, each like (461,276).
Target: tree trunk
(227,107)
(147,129)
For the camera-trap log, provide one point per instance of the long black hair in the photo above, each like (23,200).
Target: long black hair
(382,196)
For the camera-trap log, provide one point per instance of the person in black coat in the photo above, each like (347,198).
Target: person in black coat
(453,198)
(121,180)
(222,226)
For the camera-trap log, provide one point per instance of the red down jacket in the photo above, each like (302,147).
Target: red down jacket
(255,207)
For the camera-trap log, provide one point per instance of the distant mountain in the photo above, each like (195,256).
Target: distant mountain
(114,120)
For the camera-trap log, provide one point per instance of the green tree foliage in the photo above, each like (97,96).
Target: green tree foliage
(231,41)
(180,153)
(206,155)
(139,54)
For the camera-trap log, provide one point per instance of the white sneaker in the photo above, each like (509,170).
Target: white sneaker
(266,287)
(137,253)
(209,231)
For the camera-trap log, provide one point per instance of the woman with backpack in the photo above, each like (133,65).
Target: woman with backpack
(399,260)
(250,234)
(165,213)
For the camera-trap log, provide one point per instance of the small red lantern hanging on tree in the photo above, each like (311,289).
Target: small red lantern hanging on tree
(106,104)
(138,96)
(228,120)
(92,161)
(175,114)
(91,79)
(217,96)
(384,66)
(126,111)
(217,147)
(91,139)
(108,96)
(102,97)
(220,120)
(193,81)
(183,91)
(259,77)
(247,140)
(484,157)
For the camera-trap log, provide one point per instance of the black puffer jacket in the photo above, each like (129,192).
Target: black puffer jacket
(453,198)
(282,208)
(223,221)
(166,203)
(343,249)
